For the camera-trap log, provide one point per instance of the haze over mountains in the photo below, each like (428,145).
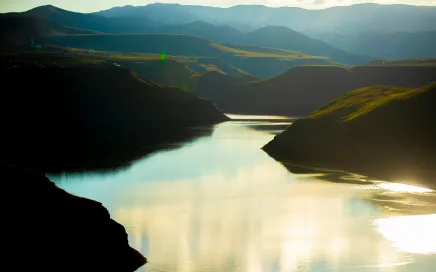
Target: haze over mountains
(350,35)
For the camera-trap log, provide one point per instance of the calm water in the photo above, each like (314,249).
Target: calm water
(219,203)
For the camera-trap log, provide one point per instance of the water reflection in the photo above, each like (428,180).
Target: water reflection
(220,203)
(414,234)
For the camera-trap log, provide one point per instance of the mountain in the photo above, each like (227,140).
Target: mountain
(383,131)
(385,45)
(18,31)
(269,36)
(56,118)
(285,38)
(255,63)
(71,230)
(169,72)
(276,37)
(211,85)
(168,14)
(128,24)
(341,19)
(303,89)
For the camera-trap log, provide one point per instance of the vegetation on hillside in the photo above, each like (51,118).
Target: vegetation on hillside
(383,131)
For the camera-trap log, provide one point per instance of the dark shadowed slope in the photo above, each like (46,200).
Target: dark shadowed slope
(387,132)
(211,85)
(168,72)
(17,31)
(91,117)
(381,45)
(304,89)
(62,232)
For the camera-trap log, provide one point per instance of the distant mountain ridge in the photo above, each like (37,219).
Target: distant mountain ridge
(270,36)
(340,19)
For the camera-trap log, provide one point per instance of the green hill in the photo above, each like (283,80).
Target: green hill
(91,117)
(384,131)
(303,89)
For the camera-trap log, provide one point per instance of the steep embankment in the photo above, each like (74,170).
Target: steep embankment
(304,89)
(59,231)
(387,132)
(85,117)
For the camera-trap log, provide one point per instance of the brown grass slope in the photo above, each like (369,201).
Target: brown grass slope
(383,131)
(304,89)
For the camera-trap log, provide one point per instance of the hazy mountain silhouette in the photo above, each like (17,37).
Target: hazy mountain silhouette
(278,37)
(387,132)
(129,24)
(341,19)
(395,45)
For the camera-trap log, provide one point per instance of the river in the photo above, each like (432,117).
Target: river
(219,203)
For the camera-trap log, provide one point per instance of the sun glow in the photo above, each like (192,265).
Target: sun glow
(413,234)
(403,188)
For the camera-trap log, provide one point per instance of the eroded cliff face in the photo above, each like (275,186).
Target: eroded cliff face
(48,229)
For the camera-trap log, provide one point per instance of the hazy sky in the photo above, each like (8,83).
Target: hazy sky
(96,5)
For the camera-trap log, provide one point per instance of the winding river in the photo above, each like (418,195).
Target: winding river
(219,203)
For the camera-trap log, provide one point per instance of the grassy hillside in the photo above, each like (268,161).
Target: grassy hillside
(260,64)
(65,117)
(383,131)
(304,89)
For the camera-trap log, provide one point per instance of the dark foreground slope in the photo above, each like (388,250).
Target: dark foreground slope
(91,117)
(387,132)
(304,89)
(48,229)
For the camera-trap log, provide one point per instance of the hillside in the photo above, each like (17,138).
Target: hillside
(169,72)
(388,46)
(128,24)
(383,131)
(260,64)
(70,230)
(16,31)
(142,20)
(91,117)
(304,89)
(211,85)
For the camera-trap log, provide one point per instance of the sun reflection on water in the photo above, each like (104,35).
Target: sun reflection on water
(413,234)
(403,188)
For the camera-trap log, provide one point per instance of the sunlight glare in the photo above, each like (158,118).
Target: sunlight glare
(403,188)
(412,234)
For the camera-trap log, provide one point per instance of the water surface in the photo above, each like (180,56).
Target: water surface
(219,203)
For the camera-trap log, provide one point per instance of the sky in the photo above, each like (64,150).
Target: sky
(97,5)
